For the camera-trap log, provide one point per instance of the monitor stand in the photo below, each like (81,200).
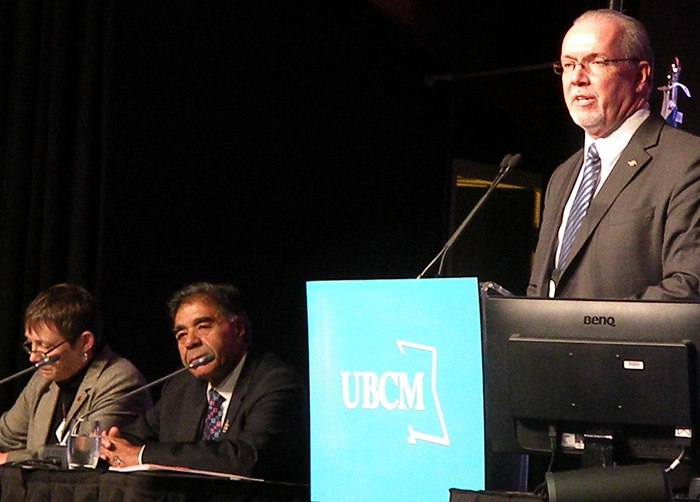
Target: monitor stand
(599,449)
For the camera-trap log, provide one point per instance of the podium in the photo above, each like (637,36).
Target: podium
(396,389)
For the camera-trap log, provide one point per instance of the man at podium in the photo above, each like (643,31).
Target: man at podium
(622,215)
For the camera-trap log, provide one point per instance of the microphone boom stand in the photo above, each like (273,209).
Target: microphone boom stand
(46,360)
(508,162)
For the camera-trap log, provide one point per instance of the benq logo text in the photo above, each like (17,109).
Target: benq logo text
(599,320)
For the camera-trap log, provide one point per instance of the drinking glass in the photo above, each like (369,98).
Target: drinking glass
(83,447)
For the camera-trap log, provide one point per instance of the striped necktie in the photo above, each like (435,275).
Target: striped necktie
(212,423)
(579,208)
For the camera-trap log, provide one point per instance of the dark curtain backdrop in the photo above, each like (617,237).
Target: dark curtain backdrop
(146,145)
(52,57)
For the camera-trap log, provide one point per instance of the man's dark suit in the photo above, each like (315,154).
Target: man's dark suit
(641,236)
(267,433)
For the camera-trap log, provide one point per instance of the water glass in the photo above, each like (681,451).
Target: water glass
(83,446)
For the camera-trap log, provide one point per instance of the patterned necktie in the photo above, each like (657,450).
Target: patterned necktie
(591,171)
(212,423)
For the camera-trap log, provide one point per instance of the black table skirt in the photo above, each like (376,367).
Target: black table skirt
(41,485)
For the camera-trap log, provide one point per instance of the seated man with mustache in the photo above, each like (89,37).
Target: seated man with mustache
(242,413)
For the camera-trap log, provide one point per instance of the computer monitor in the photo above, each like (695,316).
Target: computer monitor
(591,376)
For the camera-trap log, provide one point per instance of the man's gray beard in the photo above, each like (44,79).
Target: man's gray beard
(587,120)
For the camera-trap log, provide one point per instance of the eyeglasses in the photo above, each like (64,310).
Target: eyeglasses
(27,347)
(594,66)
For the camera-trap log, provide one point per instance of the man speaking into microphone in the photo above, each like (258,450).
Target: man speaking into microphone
(622,215)
(244,412)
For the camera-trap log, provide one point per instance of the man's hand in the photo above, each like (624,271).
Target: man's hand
(116,451)
(3,457)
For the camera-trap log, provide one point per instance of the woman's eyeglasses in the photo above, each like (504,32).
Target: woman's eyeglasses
(27,347)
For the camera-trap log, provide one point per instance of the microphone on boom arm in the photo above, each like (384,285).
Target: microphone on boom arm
(46,360)
(56,454)
(200,361)
(509,162)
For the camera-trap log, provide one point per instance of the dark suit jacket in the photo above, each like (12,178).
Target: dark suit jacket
(641,236)
(267,435)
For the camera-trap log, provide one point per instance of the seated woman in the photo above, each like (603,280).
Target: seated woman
(64,320)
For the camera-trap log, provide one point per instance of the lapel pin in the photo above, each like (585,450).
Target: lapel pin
(632,163)
(225,427)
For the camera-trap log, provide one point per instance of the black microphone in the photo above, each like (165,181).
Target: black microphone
(508,163)
(46,360)
(200,361)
